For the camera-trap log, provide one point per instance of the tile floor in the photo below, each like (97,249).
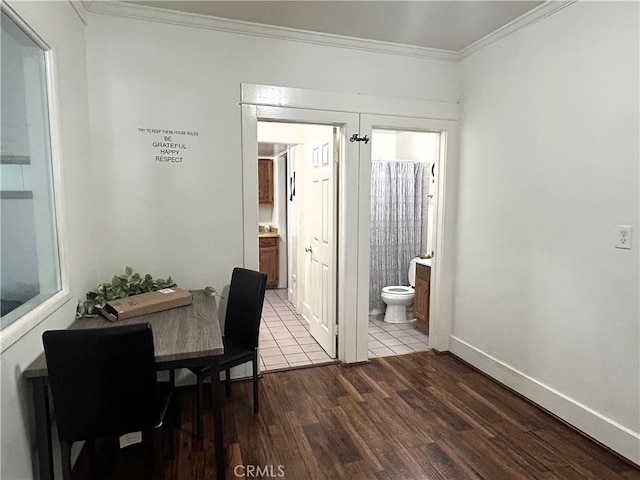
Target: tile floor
(285,340)
(394,338)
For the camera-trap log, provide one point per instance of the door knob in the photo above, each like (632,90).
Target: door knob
(308,249)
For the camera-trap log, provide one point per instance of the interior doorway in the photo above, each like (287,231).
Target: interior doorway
(284,104)
(402,224)
(297,215)
(291,215)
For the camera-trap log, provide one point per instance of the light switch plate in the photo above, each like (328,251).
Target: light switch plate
(623,236)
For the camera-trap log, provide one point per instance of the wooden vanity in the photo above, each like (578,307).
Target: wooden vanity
(265,180)
(421,298)
(269,258)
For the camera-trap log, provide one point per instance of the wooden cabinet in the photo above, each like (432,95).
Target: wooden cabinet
(269,259)
(265,180)
(421,297)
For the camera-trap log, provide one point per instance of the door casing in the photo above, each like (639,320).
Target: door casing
(441,278)
(359,114)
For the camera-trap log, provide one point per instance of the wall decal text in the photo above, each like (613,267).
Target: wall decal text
(167,148)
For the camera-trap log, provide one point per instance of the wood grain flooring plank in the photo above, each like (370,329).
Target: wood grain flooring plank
(344,448)
(401,428)
(359,441)
(465,412)
(448,466)
(585,444)
(303,400)
(400,464)
(363,470)
(562,473)
(510,406)
(417,416)
(528,446)
(578,458)
(325,452)
(442,419)
(376,434)
(483,457)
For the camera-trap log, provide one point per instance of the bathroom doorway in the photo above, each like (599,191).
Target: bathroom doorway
(402,222)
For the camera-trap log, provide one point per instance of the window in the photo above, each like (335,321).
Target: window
(30,260)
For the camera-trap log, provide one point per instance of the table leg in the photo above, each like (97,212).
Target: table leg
(216,395)
(43,428)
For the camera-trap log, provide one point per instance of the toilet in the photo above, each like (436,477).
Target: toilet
(399,297)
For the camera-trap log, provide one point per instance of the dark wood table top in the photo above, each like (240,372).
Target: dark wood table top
(182,337)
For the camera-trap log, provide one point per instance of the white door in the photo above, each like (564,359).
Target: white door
(322,318)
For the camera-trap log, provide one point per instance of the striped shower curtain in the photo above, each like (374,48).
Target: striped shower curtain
(396,219)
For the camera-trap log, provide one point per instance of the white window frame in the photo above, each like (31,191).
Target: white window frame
(14,332)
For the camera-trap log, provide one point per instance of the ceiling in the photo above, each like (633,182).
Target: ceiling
(443,25)
(266,149)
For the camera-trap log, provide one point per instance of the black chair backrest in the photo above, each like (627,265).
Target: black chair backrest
(244,306)
(103,381)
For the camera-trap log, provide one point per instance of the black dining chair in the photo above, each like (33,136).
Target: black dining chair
(241,331)
(104,384)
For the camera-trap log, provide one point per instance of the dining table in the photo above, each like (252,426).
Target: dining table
(183,337)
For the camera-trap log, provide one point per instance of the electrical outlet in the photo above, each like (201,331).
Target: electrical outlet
(623,236)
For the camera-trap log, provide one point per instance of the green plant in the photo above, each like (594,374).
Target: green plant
(120,286)
(210,291)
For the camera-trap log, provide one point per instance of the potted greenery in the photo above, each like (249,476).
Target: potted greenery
(121,286)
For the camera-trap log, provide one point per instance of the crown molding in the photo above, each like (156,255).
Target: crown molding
(173,17)
(80,9)
(255,29)
(546,9)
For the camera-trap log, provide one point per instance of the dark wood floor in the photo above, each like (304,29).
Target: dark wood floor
(417,416)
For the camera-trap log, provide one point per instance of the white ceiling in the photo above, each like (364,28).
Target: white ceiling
(443,25)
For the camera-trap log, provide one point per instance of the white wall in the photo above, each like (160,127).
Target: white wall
(186,219)
(549,165)
(404,145)
(417,146)
(59,26)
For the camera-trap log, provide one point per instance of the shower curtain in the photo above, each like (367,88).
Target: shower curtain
(396,219)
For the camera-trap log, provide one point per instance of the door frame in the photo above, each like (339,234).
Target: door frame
(440,313)
(346,206)
(265,102)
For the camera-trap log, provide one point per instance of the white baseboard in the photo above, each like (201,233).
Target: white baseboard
(605,430)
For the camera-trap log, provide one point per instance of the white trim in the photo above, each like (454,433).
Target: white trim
(31,319)
(55,137)
(294,104)
(441,305)
(17,19)
(347,206)
(348,102)
(249,149)
(607,431)
(173,17)
(532,16)
(445,228)
(19,328)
